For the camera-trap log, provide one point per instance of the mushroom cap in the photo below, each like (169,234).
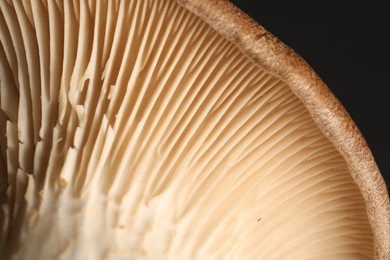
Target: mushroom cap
(174,129)
(269,53)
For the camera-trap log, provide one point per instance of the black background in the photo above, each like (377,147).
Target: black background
(348,45)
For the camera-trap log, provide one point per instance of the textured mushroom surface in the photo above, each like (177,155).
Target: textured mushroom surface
(134,130)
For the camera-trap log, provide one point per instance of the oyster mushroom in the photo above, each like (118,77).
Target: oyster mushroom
(174,130)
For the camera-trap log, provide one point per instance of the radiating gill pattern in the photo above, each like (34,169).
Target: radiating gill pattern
(132,129)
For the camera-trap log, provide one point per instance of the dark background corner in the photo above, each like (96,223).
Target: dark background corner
(348,44)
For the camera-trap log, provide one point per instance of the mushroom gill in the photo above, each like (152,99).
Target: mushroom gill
(136,130)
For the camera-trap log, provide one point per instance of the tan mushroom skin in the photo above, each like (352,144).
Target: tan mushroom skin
(164,130)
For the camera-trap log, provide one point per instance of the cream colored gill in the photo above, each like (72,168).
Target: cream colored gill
(133,130)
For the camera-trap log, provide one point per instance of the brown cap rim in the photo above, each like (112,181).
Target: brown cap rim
(266,51)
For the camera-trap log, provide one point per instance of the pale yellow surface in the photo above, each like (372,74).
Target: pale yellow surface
(132,130)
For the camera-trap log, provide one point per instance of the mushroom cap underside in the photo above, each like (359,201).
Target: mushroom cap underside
(152,129)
